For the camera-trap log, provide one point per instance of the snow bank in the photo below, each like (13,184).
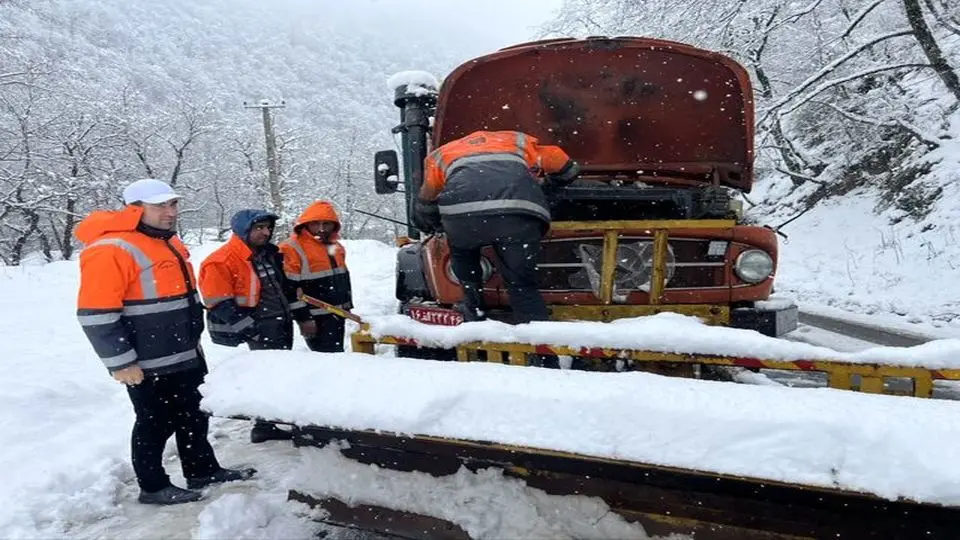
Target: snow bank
(664,332)
(242,516)
(892,447)
(856,254)
(485,504)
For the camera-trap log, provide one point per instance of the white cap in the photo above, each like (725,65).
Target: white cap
(148,191)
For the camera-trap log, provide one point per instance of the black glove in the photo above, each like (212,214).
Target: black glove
(565,175)
(427,217)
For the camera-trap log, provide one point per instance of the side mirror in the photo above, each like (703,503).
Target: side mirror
(386,172)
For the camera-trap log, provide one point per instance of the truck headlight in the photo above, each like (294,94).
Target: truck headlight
(753,266)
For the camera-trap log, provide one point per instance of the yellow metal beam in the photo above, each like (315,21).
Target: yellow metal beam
(716,314)
(659,274)
(643,224)
(609,266)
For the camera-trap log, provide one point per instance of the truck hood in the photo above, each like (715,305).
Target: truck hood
(645,108)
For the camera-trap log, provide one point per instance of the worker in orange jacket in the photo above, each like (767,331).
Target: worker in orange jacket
(138,306)
(316,261)
(248,297)
(485,189)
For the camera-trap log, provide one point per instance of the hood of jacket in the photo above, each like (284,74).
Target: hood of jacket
(102,222)
(243,221)
(318,211)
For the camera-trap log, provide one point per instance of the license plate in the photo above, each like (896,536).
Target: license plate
(432,315)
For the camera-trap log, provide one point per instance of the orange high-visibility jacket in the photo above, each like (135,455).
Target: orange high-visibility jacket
(487,147)
(138,302)
(319,268)
(231,289)
(492,173)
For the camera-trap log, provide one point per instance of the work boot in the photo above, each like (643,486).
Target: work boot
(470,314)
(471,307)
(221,476)
(169,495)
(268,432)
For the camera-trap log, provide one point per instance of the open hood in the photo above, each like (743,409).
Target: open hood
(644,108)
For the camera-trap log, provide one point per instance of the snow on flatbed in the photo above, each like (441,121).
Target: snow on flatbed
(664,332)
(885,445)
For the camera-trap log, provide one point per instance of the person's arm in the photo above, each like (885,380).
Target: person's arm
(557,165)
(290,262)
(219,297)
(426,212)
(106,272)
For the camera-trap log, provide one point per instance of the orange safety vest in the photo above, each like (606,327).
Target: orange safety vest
(137,302)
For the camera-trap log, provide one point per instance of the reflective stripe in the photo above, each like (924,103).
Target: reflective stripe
(148,281)
(298,304)
(483,206)
(522,145)
(304,261)
(100,318)
(484,158)
(164,361)
(319,311)
(159,307)
(240,300)
(317,275)
(120,359)
(232,328)
(214,300)
(437,156)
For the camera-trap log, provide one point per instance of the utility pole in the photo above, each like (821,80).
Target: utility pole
(273,165)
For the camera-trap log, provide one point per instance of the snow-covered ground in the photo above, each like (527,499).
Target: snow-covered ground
(844,258)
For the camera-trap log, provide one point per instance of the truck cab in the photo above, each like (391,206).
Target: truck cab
(663,134)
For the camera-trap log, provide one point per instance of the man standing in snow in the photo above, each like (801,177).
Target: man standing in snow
(484,190)
(248,298)
(139,307)
(315,260)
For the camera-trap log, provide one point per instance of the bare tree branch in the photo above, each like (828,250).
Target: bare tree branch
(830,68)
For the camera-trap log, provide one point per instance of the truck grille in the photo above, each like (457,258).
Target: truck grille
(574,264)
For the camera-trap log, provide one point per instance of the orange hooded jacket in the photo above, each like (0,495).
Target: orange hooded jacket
(138,302)
(318,265)
(485,147)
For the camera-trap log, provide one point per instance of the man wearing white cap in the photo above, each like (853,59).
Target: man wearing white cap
(139,307)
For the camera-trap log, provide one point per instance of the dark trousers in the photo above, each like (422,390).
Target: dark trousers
(275,334)
(170,405)
(329,336)
(516,241)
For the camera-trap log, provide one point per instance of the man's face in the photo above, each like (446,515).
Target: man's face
(321,228)
(260,233)
(161,216)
